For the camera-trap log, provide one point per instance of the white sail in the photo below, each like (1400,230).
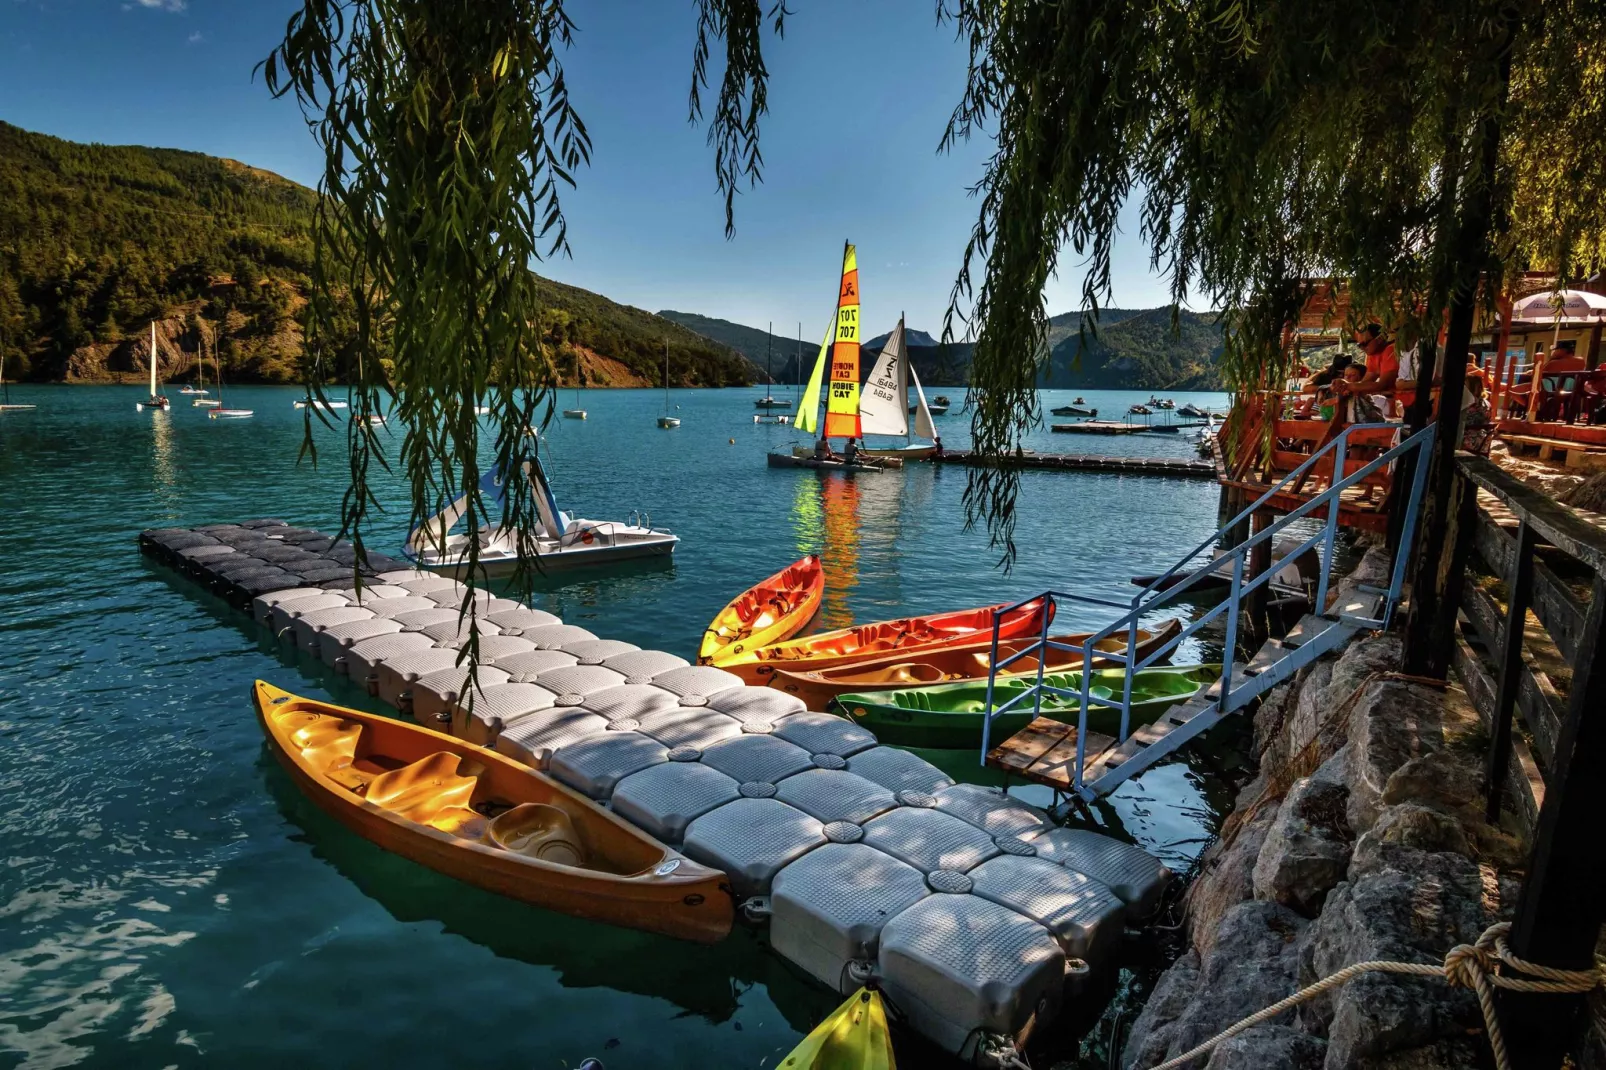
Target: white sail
(923,425)
(883,404)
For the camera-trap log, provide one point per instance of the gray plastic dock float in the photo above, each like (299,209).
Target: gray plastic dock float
(974,912)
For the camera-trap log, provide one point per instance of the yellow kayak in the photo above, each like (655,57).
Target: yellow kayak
(852,1037)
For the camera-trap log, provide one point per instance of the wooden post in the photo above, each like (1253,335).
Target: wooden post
(1500,356)
(1561,909)
(1520,583)
(1592,358)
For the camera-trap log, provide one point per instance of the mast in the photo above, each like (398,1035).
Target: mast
(153,358)
(666,375)
(769,336)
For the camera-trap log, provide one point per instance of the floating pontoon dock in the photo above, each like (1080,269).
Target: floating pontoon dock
(974,912)
(1132,466)
(1122,427)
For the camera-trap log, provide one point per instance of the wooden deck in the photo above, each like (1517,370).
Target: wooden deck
(1044,752)
(1572,445)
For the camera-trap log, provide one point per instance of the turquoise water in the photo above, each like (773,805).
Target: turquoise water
(170,901)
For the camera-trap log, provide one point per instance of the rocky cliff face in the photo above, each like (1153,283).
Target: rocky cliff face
(252,355)
(1361,838)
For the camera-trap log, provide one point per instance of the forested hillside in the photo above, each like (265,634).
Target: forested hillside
(98,241)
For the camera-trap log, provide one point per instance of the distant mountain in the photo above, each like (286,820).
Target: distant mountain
(751,343)
(1134,349)
(98,241)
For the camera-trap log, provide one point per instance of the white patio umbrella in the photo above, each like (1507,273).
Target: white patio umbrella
(1563,308)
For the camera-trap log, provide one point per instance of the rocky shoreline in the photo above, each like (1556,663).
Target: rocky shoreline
(1361,838)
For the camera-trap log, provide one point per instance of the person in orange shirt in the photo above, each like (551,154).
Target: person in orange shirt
(1382,370)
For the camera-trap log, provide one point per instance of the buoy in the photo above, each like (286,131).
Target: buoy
(733,442)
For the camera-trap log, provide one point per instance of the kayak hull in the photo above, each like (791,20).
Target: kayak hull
(482,818)
(957,664)
(908,635)
(950,716)
(771,611)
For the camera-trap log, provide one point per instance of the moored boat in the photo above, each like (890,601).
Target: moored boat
(157,401)
(1075,410)
(792,460)
(484,819)
(562,541)
(951,715)
(969,662)
(908,635)
(770,611)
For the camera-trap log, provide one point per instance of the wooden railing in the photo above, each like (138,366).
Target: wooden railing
(1539,685)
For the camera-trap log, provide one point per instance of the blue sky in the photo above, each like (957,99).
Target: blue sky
(859,96)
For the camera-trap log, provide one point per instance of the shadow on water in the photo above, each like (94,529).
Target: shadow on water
(703,980)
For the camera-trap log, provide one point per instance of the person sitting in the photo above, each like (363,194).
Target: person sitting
(823,451)
(850,452)
(936,443)
(1382,369)
(1477,426)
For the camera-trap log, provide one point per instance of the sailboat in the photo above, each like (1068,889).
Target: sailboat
(839,351)
(667,421)
(882,403)
(576,413)
(561,541)
(769,400)
(203,402)
(5,391)
(155,401)
(221,413)
(197,388)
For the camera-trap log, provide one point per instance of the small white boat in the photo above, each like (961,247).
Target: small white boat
(666,421)
(482,410)
(191,390)
(574,414)
(231,414)
(218,411)
(772,418)
(5,391)
(206,403)
(325,406)
(563,542)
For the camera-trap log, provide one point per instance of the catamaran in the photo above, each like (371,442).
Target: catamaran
(852,412)
(562,542)
(155,401)
(839,351)
(769,400)
(667,421)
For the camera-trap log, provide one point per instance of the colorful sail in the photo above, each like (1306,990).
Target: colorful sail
(883,409)
(842,404)
(808,410)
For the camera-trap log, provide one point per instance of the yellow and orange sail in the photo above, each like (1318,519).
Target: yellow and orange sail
(841,351)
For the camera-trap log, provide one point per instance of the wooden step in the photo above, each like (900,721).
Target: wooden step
(1045,752)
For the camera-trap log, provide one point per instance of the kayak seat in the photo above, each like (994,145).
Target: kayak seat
(539,831)
(328,744)
(915,672)
(428,791)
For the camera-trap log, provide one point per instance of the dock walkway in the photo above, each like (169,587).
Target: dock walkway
(1174,467)
(971,909)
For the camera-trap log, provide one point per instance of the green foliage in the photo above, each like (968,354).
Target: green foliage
(95,240)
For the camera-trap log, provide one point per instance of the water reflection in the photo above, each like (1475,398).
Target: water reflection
(164,466)
(839,557)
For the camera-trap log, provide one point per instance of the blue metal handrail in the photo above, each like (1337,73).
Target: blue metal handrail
(1148,600)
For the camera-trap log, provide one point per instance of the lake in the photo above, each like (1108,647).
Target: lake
(171,901)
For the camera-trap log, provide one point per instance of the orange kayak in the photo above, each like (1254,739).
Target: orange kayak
(767,612)
(952,664)
(483,818)
(910,635)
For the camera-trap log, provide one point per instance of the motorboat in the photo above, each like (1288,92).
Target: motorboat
(1075,410)
(1193,411)
(561,541)
(320,405)
(1140,410)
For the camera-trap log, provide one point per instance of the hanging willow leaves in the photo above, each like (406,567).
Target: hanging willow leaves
(1266,142)
(448,135)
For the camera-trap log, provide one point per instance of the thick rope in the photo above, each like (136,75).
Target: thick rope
(1475,966)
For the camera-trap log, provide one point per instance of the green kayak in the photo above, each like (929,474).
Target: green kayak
(950,715)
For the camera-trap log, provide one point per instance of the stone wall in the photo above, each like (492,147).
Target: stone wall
(1361,838)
